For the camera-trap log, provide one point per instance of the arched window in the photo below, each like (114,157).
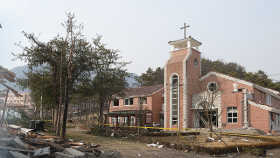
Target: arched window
(195,62)
(174,101)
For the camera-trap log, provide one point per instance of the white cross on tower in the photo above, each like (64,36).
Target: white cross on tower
(185,29)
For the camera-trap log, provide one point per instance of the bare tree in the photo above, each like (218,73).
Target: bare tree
(206,96)
(141,113)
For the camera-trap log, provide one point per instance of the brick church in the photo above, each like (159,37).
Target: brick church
(180,102)
(237,103)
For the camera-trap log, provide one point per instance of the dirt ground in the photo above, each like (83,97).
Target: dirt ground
(123,148)
(203,139)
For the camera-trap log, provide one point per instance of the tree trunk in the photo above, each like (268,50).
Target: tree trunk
(58,121)
(65,110)
(87,110)
(79,112)
(107,120)
(55,117)
(101,105)
(60,95)
(52,116)
(210,126)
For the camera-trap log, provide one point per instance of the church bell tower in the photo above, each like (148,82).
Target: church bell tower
(182,67)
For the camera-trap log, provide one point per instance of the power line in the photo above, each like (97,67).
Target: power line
(275,80)
(274,74)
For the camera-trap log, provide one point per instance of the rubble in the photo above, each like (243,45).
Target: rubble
(152,145)
(14,154)
(76,153)
(22,142)
(62,155)
(19,144)
(42,152)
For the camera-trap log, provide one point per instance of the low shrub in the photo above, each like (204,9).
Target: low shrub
(96,130)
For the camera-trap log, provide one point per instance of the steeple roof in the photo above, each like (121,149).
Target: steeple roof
(183,43)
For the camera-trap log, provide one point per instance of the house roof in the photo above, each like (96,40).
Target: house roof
(142,91)
(264,89)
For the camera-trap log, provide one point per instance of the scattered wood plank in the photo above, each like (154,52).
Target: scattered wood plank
(46,137)
(56,147)
(78,144)
(16,149)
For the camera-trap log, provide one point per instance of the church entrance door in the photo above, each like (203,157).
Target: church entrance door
(202,121)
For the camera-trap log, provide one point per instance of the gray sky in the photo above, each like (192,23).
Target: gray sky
(246,32)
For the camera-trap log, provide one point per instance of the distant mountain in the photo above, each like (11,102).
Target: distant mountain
(19,73)
(19,70)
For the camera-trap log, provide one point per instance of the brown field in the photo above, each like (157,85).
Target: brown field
(132,147)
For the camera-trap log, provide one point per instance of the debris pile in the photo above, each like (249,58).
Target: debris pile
(21,142)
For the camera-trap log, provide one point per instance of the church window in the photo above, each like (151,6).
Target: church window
(212,87)
(195,62)
(232,115)
(174,101)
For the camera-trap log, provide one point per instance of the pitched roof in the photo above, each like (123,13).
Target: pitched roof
(142,91)
(264,89)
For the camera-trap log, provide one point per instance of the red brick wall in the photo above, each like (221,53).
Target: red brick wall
(175,65)
(258,96)
(193,76)
(157,101)
(132,107)
(258,118)
(154,103)
(232,100)
(228,98)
